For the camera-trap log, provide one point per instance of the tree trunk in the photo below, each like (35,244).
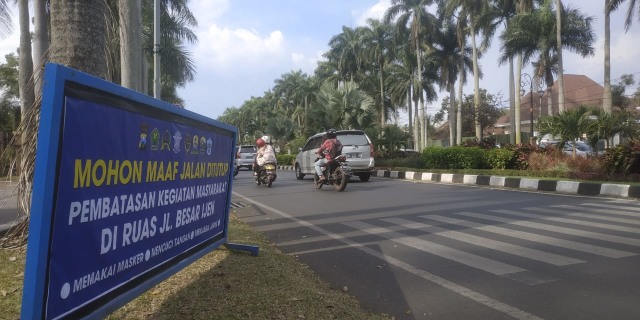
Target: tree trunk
(559,10)
(420,111)
(459,111)
(27,100)
(512,103)
(25,62)
(130,13)
(410,111)
(606,96)
(383,116)
(476,82)
(78,35)
(518,86)
(40,43)
(452,112)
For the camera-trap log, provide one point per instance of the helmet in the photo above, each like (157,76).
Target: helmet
(266,139)
(260,143)
(331,133)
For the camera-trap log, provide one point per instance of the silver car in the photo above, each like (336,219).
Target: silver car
(245,156)
(582,148)
(356,145)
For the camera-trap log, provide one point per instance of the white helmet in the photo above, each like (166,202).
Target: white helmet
(266,139)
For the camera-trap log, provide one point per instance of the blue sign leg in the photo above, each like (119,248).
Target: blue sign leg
(253,250)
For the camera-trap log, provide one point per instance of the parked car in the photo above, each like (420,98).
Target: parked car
(356,145)
(582,149)
(245,156)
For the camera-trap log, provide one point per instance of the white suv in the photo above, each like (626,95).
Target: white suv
(356,145)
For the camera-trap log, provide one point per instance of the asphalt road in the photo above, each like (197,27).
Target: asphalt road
(418,250)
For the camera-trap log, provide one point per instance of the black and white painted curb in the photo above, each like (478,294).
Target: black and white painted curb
(569,187)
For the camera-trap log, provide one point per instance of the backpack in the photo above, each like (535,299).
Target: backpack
(336,150)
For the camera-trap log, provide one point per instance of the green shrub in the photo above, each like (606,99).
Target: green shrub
(623,158)
(454,158)
(286,159)
(501,158)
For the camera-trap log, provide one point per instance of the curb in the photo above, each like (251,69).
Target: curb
(566,187)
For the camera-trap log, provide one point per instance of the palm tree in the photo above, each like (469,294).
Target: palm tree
(343,107)
(609,124)
(559,26)
(5,19)
(86,56)
(566,126)
(399,84)
(378,49)
(130,26)
(25,69)
(346,51)
(40,42)
(447,55)
(531,35)
(414,11)
(472,10)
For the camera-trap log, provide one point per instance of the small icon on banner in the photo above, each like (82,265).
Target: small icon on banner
(155,139)
(142,144)
(177,138)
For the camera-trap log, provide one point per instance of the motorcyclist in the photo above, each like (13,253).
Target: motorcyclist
(324,152)
(265,154)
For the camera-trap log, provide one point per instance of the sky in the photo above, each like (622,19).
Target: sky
(245,45)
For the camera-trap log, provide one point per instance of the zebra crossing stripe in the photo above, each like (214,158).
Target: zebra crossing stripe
(557,242)
(571,221)
(449,285)
(472,260)
(581,214)
(548,227)
(616,207)
(509,248)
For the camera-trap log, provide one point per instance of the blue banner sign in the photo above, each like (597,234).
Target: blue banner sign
(137,188)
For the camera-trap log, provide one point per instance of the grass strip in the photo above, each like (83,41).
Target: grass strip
(224,284)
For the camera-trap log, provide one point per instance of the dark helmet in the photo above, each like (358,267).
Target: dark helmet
(331,133)
(260,143)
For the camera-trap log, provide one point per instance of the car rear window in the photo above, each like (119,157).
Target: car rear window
(247,149)
(353,139)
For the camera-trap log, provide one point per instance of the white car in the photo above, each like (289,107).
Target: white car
(356,145)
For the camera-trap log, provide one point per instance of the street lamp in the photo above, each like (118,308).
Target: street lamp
(525,80)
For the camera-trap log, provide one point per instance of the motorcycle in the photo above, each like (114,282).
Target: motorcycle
(266,174)
(336,173)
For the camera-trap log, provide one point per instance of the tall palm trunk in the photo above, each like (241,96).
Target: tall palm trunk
(416,119)
(420,111)
(40,43)
(410,111)
(459,111)
(512,103)
(383,116)
(25,62)
(130,13)
(452,112)
(84,20)
(559,10)
(606,96)
(518,85)
(476,81)
(549,100)
(27,99)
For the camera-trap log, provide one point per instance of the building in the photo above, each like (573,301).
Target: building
(578,90)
